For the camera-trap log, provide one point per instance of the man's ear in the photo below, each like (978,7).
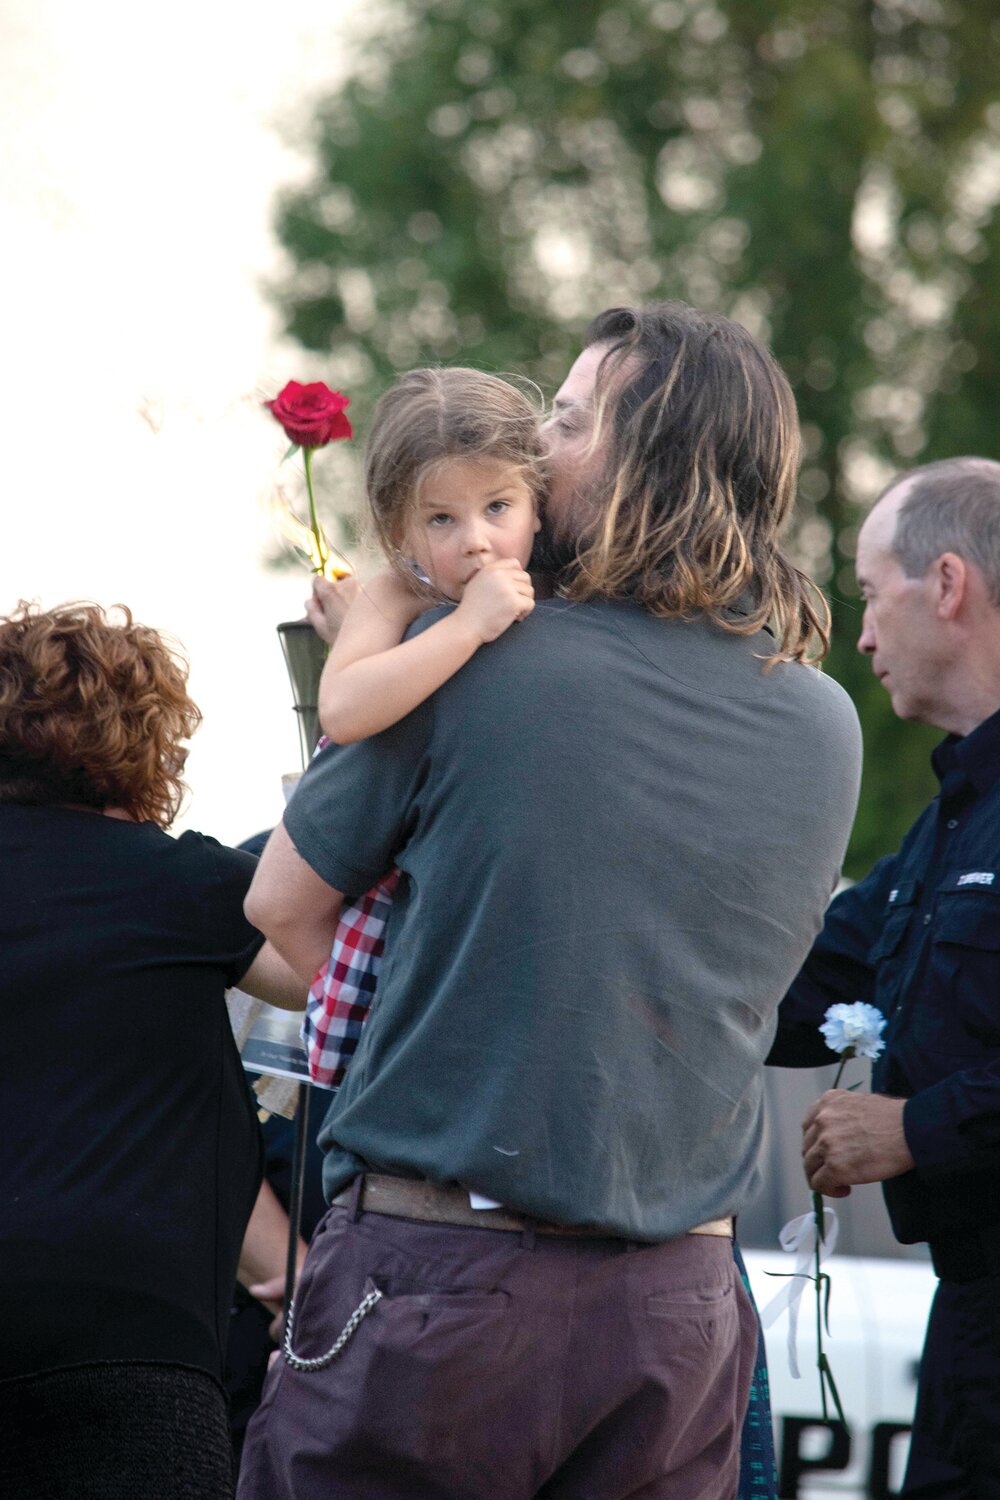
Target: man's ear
(950,582)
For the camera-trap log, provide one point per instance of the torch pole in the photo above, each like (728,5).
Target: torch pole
(295,1196)
(304,654)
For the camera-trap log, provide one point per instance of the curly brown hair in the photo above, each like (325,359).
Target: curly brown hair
(92,711)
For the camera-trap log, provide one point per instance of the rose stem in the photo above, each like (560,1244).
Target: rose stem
(321,554)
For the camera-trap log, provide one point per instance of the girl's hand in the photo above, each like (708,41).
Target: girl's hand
(497,595)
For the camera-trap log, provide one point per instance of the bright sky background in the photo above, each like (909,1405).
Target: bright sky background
(142,148)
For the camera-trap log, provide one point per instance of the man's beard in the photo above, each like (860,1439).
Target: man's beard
(550,554)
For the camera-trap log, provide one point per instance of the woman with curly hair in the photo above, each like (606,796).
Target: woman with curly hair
(131,1153)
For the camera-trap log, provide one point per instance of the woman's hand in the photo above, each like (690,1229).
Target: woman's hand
(328,604)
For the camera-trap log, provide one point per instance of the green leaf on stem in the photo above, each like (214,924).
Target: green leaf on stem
(826,1378)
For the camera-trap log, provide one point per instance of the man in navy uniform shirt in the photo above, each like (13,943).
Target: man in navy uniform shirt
(920,939)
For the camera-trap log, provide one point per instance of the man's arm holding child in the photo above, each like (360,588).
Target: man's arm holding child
(295,910)
(270,978)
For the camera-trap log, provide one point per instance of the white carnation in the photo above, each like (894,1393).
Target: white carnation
(856,1027)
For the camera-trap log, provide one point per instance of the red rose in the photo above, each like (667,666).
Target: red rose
(312,415)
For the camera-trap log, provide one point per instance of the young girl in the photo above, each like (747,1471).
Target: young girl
(453,477)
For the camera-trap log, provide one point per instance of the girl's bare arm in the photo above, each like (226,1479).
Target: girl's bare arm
(373,678)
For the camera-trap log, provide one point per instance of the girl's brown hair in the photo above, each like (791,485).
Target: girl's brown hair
(703,451)
(432,415)
(92,711)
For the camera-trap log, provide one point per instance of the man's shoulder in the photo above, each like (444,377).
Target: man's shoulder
(823,729)
(727,662)
(818,688)
(427,619)
(571,646)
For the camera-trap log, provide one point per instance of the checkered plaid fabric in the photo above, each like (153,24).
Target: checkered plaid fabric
(341,994)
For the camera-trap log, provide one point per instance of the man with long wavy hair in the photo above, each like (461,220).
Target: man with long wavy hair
(618,828)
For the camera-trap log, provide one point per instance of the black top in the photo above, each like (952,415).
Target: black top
(618,835)
(131,1152)
(920,939)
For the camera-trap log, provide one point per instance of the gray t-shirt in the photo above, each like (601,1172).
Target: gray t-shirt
(618,835)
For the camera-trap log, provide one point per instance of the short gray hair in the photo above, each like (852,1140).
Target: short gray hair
(953,506)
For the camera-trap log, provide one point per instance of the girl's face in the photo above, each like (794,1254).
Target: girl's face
(470,512)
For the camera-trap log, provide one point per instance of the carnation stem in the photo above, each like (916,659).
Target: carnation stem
(319,565)
(818,1215)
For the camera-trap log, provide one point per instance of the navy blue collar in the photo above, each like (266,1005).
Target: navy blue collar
(976,755)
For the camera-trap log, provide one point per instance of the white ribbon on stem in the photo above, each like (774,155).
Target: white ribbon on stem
(799,1238)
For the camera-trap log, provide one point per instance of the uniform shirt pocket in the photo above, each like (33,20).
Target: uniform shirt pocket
(964,977)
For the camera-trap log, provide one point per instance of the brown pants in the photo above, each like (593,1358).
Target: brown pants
(499,1366)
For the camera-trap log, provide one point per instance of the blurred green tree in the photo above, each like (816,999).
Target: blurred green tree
(827,172)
